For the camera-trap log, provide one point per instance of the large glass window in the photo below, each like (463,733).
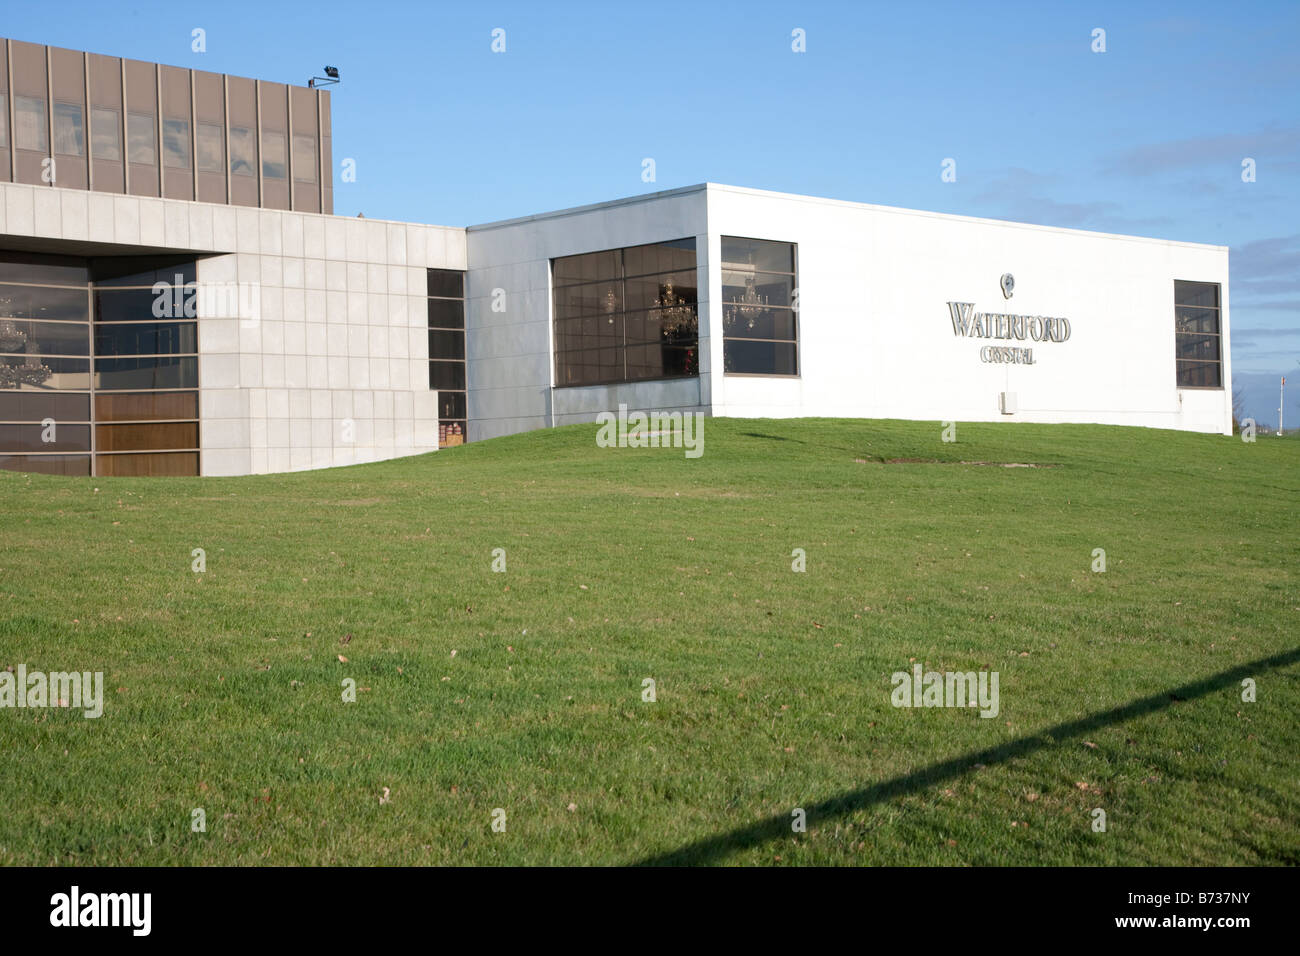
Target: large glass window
(80,347)
(105,133)
(446,296)
(29,124)
(37,371)
(148,463)
(176,143)
(47,464)
(146,372)
(212,148)
(625,315)
(146,406)
(19,301)
(243,152)
(44,364)
(132,272)
(145,338)
(52,271)
(1198,357)
(29,438)
(141,139)
(273,157)
(304,158)
(69,130)
(146,369)
(44,331)
(42,338)
(759,307)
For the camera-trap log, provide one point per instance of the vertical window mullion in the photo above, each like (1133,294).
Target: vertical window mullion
(622,288)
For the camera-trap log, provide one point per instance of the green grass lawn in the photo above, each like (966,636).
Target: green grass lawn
(523,690)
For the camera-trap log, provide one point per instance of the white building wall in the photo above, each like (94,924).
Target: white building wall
(511,370)
(876,338)
(334,370)
(341,327)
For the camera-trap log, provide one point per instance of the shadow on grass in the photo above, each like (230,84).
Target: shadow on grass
(711,849)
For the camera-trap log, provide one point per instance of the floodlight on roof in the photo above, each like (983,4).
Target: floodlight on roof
(329,79)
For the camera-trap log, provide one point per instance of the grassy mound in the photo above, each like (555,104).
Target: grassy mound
(522,690)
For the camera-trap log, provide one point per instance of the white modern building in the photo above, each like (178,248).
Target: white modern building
(815,307)
(176,298)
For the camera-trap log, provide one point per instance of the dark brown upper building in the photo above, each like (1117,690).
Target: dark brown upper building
(87,121)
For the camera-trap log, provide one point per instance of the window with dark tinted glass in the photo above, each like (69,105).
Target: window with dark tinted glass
(67,322)
(1198,355)
(759,307)
(43,304)
(626,315)
(447,376)
(146,372)
(446,313)
(146,366)
(145,338)
(129,271)
(44,364)
(446,306)
(445,283)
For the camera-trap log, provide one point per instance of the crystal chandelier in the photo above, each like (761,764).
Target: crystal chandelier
(12,338)
(749,305)
(673,313)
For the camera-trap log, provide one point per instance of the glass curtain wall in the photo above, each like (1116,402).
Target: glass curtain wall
(627,315)
(45,396)
(98,366)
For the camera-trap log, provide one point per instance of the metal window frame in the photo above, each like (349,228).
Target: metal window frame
(798,325)
(1218,333)
(622,280)
(463,361)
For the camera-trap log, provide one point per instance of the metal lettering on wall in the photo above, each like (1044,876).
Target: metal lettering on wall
(968,323)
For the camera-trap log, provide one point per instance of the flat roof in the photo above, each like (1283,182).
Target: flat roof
(796,197)
(591,207)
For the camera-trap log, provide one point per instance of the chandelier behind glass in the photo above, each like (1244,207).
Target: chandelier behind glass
(749,305)
(672,312)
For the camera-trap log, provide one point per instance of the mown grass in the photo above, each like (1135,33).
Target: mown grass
(223,689)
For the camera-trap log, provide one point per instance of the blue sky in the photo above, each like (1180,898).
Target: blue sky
(1146,138)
